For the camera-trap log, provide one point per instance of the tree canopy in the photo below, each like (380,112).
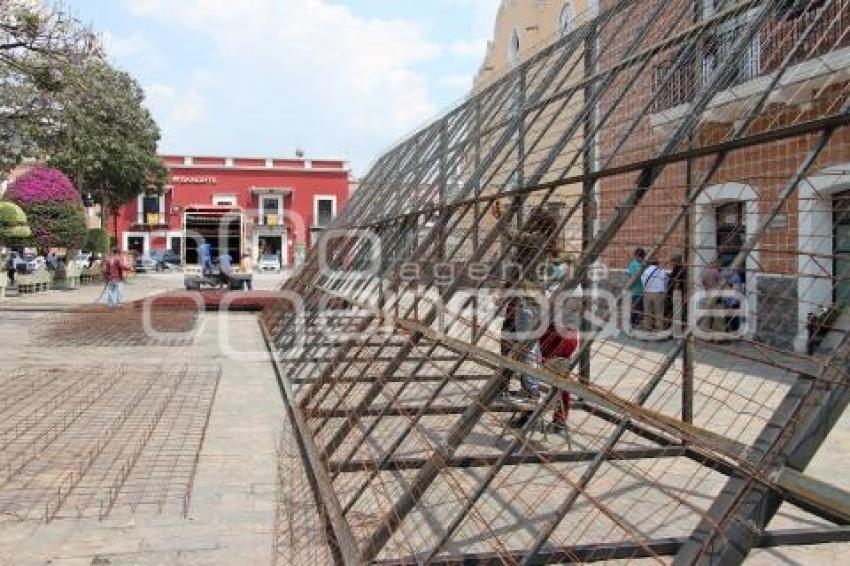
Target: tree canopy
(106,139)
(63,103)
(38,46)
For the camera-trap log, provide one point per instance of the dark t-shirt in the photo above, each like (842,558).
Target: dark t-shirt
(677,278)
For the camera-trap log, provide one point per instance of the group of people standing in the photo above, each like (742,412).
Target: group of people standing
(225,264)
(658,295)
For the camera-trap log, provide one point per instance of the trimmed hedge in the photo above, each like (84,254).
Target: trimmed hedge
(13,222)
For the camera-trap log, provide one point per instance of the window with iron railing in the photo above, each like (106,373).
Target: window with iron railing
(830,31)
(673,82)
(720,48)
(150,214)
(676,85)
(271,211)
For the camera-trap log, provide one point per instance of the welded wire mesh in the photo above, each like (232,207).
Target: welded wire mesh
(715,140)
(101,440)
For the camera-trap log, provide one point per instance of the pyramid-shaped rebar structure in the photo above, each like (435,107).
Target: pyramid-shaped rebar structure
(714,136)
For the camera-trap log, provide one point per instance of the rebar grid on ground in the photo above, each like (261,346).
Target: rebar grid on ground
(100,440)
(159,325)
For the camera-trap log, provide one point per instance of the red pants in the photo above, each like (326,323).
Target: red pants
(557,347)
(563,410)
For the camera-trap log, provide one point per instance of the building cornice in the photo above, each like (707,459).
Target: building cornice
(249,168)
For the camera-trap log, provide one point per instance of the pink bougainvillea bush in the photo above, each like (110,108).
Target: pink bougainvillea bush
(43,184)
(53,206)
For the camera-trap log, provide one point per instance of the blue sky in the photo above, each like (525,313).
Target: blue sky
(338,78)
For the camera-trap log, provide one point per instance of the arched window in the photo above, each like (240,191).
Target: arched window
(513,48)
(565,20)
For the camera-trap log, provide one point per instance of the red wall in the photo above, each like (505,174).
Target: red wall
(300,176)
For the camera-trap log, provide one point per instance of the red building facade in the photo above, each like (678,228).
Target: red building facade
(287,202)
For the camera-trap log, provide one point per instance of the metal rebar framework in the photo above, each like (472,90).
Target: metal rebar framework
(101,440)
(703,134)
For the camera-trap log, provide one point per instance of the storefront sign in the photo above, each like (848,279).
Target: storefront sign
(192,180)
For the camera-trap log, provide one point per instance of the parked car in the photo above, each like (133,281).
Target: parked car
(82,259)
(145,264)
(269,263)
(157,261)
(33,262)
(166,259)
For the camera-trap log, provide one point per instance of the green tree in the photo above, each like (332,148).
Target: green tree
(105,139)
(97,241)
(57,224)
(38,46)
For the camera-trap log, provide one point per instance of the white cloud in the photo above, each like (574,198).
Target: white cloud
(180,109)
(363,69)
(372,62)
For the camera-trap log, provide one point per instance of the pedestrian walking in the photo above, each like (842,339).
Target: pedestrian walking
(712,284)
(655,283)
(225,267)
(114,272)
(559,343)
(635,269)
(11,267)
(557,347)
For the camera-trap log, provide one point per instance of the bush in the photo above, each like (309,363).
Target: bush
(53,207)
(57,224)
(13,223)
(42,184)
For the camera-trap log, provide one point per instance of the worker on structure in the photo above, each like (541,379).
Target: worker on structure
(225,267)
(529,249)
(561,338)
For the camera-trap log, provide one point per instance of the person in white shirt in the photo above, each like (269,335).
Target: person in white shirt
(655,281)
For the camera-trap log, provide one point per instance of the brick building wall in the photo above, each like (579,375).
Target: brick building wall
(780,283)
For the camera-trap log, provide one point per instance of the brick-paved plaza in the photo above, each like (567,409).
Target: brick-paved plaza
(177,453)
